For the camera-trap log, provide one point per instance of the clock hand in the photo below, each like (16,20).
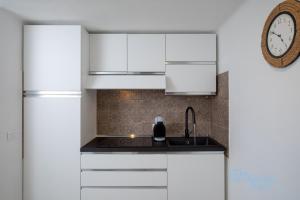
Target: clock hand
(278,35)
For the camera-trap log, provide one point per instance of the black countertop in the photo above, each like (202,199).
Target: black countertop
(146,144)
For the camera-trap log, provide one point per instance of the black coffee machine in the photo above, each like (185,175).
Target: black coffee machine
(159,129)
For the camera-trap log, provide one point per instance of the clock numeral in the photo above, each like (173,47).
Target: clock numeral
(279,20)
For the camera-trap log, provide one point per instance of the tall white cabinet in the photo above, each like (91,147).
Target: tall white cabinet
(59,116)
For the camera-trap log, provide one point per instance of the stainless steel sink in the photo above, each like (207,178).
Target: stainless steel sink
(198,141)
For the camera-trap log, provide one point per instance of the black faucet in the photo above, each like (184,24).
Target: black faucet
(187,131)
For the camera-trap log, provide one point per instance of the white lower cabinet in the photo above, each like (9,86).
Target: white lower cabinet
(197,176)
(123,178)
(124,194)
(169,176)
(123,161)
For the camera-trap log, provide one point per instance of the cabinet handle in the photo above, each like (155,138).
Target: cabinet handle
(190,63)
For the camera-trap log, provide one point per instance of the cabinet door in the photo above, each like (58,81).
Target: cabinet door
(123,161)
(191,47)
(123,178)
(52,58)
(146,52)
(108,52)
(191,79)
(124,193)
(51,148)
(196,176)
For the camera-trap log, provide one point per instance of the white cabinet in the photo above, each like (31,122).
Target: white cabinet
(52,148)
(140,61)
(146,52)
(191,79)
(123,161)
(145,82)
(58,116)
(52,58)
(108,52)
(191,47)
(123,176)
(124,193)
(191,64)
(163,176)
(196,176)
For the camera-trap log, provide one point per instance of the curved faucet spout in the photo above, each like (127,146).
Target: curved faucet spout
(187,131)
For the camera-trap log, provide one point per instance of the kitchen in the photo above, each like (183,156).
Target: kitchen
(154,110)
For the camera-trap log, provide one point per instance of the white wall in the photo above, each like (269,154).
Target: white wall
(264,160)
(10,107)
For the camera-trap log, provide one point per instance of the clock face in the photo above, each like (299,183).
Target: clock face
(281,34)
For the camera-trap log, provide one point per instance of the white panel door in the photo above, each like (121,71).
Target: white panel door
(191,47)
(52,148)
(192,79)
(108,52)
(196,176)
(146,52)
(52,58)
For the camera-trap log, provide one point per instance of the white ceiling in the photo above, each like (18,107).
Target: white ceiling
(127,15)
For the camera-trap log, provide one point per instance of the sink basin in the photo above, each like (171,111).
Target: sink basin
(200,141)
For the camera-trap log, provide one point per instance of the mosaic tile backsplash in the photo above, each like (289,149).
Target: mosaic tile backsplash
(125,112)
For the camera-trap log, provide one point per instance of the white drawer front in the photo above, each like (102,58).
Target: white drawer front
(123,161)
(123,194)
(123,178)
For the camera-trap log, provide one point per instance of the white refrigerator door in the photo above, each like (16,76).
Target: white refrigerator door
(52,148)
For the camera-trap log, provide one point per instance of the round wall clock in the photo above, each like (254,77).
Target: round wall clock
(281,34)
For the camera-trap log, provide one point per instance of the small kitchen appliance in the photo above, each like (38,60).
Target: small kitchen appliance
(159,129)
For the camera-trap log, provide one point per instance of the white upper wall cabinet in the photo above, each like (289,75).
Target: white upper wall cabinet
(146,52)
(52,58)
(191,79)
(191,47)
(108,52)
